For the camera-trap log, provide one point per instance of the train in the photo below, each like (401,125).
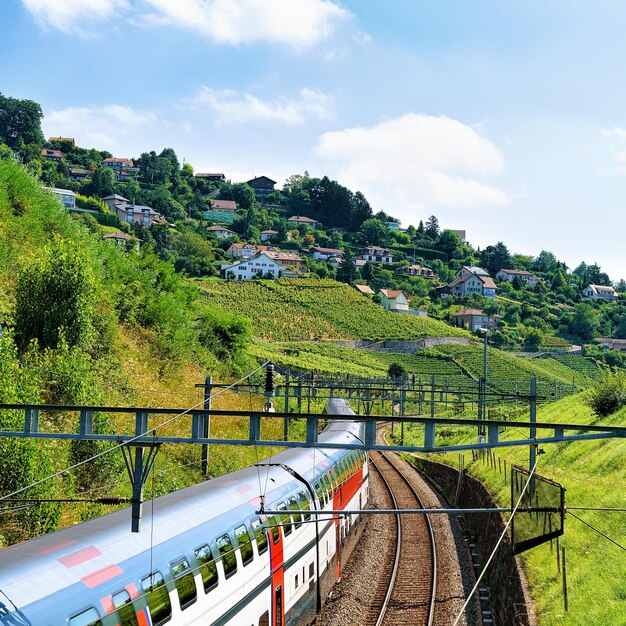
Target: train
(206,554)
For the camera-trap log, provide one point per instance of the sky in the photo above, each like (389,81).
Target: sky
(505,119)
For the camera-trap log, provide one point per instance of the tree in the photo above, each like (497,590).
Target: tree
(347,272)
(103,182)
(54,298)
(449,242)
(368,271)
(621,286)
(375,232)
(396,371)
(585,321)
(20,122)
(496,258)
(243,195)
(558,281)
(546,263)
(431,229)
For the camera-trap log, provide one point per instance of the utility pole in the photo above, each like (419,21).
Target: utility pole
(206,425)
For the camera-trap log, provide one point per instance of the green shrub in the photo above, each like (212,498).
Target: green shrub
(225,334)
(608,394)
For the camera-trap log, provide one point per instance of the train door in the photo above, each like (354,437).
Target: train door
(277,563)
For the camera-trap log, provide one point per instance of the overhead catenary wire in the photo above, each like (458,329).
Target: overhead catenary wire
(129,441)
(493,553)
(597,530)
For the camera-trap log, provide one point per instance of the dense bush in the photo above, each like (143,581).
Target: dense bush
(608,394)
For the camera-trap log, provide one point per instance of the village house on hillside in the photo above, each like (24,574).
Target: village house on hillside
(130,212)
(394,300)
(473,319)
(526,277)
(600,292)
(222,205)
(609,343)
(245,250)
(67,197)
(262,264)
(462,235)
(470,281)
(214,178)
(375,254)
(121,239)
(298,220)
(263,187)
(117,163)
(324,254)
(366,290)
(220,232)
(78,174)
(417,270)
(268,235)
(51,155)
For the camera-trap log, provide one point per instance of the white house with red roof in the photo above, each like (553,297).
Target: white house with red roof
(526,277)
(117,163)
(375,254)
(263,264)
(394,300)
(220,232)
(599,292)
(298,220)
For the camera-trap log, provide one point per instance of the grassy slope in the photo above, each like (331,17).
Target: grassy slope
(594,474)
(294,309)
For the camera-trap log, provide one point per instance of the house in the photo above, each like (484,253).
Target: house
(262,264)
(123,175)
(462,235)
(473,319)
(222,205)
(470,281)
(214,178)
(263,186)
(366,290)
(51,155)
(117,163)
(245,250)
(70,140)
(220,232)
(608,343)
(133,213)
(394,300)
(67,197)
(120,239)
(599,292)
(114,199)
(78,173)
(268,235)
(417,270)
(374,254)
(393,226)
(526,277)
(299,220)
(325,254)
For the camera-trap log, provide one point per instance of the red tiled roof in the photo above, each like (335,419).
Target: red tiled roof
(51,153)
(364,289)
(328,250)
(302,218)
(488,282)
(517,272)
(392,294)
(220,228)
(224,205)
(468,312)
(117,160)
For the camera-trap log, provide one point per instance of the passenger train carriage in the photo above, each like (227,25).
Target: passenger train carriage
(206,556)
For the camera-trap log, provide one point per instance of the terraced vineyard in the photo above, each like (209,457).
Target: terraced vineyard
(508,373)
(296,309)
(580,364)
(328,359)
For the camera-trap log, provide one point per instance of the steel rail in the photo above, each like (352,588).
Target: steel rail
(433,548)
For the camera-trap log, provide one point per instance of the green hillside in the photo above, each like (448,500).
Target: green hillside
(594,474)
(295,309)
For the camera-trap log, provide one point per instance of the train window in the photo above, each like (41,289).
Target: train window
(245,544)
(89,617)
(208,568)
(264,620)
(125,609)
(229,559)
(328,488)
(261,537)
(295,581)
(273,525)
(297,518)
(304,504)
(285,519)
(185,583)
(158,598)
(319,492)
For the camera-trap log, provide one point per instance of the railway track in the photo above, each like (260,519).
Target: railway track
(412,579)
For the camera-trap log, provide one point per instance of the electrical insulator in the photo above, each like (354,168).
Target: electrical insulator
(269,380)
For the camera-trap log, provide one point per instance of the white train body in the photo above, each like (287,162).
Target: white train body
(204,555)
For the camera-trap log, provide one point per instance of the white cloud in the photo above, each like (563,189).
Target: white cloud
(416,162)
(615,138)
(300,23)
(105,128)
(75,17)
(235,106)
